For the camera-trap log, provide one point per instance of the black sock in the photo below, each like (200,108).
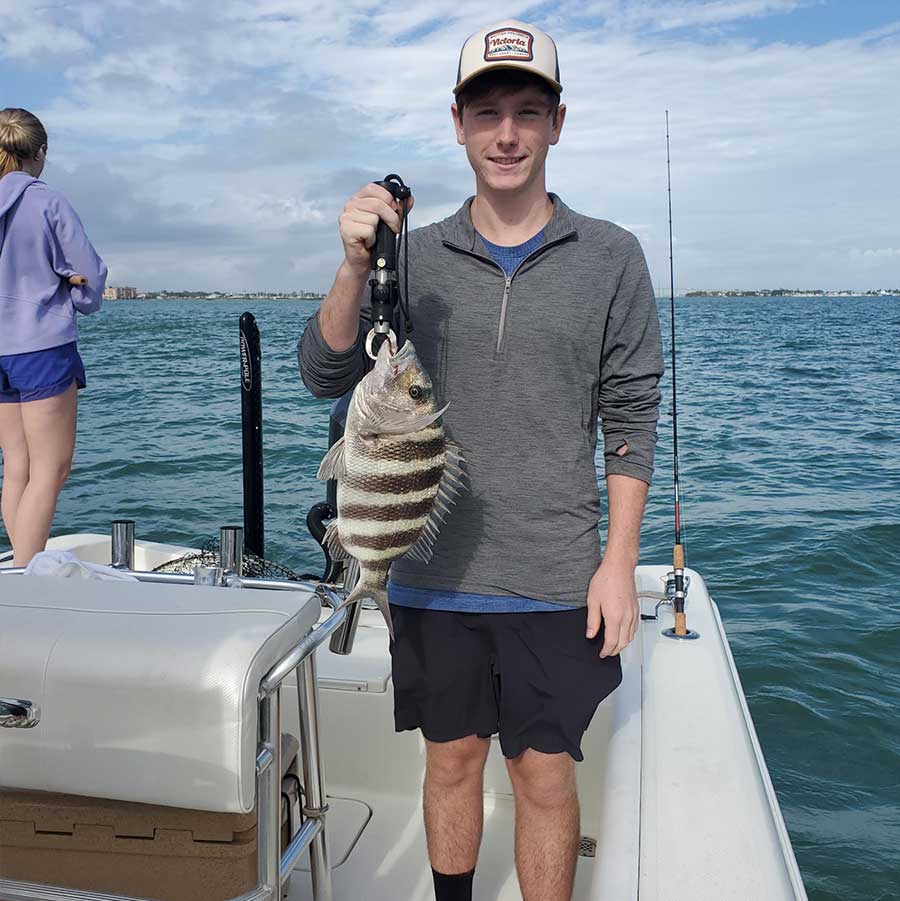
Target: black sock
(457,887)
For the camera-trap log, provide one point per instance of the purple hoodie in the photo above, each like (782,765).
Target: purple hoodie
(42,243)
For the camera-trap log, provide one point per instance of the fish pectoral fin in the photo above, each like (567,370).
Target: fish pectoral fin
(396,422)
(333,465)
(452,481)
(332,541)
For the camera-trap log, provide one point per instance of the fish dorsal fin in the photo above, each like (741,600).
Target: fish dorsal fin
(396,422)
(452,482)
(333,465)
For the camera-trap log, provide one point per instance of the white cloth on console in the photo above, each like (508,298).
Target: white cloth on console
(67,565)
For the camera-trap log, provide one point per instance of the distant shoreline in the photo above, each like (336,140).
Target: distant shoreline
(213,295)
(787,292)
(308,296)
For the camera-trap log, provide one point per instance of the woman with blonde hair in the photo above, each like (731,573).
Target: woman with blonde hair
(48,272)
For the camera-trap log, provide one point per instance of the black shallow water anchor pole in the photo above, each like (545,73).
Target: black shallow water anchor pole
(251,423)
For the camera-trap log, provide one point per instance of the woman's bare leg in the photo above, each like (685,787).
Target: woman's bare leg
(15,464)
(49,427)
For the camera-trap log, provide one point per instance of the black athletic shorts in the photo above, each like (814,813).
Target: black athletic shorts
(533,677)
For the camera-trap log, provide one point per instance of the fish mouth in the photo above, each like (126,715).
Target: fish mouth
(391,365)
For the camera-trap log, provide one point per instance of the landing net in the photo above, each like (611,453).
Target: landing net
(253,566)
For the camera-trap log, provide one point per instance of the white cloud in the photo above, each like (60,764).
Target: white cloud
(878,257)
(30,31)
(255,120)
(665,16)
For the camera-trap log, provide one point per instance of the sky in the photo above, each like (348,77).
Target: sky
(212,146)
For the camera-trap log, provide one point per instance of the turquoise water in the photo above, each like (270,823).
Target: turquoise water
(788,430)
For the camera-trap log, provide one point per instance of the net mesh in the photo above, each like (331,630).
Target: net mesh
(253,566)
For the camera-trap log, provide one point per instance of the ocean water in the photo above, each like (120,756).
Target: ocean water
(788,436)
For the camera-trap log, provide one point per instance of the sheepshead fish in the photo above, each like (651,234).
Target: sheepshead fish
(397,473)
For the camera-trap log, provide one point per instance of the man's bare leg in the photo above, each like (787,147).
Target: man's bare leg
(454,802)
(547,824)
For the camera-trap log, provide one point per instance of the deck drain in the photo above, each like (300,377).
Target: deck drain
(587,847)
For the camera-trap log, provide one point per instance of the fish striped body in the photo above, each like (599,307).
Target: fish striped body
(386,497)
(396,473)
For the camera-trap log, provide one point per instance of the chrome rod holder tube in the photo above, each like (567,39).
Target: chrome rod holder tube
(231,549)
(122,544)
(208,575)
(343,638)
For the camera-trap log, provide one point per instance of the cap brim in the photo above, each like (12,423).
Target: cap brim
(521,67)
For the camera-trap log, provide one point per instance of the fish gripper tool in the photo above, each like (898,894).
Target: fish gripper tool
(384,281)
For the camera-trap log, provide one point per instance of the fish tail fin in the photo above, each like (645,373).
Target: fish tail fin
(377,593)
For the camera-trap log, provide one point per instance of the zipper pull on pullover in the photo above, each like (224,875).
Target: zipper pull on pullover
(503,305)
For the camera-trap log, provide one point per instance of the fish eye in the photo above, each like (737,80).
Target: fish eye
(416,392)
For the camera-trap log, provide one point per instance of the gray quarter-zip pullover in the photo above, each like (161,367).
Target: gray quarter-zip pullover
(527,362)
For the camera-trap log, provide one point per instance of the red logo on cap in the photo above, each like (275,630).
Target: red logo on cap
(508,43)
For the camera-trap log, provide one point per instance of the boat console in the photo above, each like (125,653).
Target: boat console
(155,702)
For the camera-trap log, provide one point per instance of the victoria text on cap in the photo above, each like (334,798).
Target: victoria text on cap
(509,45)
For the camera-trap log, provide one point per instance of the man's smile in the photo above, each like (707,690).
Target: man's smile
(506,161)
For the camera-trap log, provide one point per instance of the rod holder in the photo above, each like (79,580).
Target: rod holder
(231,549)
(122,544)
(344,636)
(208,575)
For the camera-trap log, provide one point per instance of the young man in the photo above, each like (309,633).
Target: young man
(532,320)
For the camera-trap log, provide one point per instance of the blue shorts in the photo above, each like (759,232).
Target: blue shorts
(40,374)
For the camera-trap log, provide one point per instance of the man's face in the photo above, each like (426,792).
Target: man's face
(507,135)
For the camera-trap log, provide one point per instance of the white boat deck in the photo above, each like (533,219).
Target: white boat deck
(673,788)
(381,771)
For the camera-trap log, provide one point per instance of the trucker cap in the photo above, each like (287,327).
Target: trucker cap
(509,45)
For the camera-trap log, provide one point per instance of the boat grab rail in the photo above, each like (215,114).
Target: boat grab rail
(229,580)
(273,866)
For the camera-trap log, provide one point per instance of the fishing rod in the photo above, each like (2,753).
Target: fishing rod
(384,282)
(680,630)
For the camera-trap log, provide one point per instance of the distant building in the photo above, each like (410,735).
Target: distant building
(114,293)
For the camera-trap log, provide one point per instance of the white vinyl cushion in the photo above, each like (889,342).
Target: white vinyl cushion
(147,693)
